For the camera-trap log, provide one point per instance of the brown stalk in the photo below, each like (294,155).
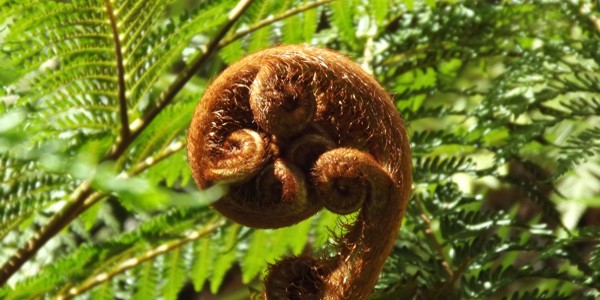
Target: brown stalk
(294,129)
(120,71)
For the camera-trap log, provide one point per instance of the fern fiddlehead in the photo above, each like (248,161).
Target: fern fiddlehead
(293,129)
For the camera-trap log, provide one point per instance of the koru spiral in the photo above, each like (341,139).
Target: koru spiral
(293,129)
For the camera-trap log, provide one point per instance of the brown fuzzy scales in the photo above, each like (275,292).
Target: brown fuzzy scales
(293,129)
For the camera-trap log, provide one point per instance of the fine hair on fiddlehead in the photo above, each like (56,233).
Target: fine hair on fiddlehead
(292,130)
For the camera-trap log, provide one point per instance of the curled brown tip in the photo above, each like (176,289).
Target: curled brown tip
(241,155)
(295,278)
(283,103)
(345,178)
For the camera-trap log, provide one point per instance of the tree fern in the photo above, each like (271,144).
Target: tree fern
(95,191)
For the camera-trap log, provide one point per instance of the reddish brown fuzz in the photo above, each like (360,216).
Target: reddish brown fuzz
(294,129)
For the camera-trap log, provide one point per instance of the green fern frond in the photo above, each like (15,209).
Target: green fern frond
(176,269)
(269,23)
(501,99)
(259,38)
(429,112)
(464,224)
(437,168)
(114,253)
(595,264)
(148,57)
(24,189)
(168,128)
(72,50)
(170,170)
(342,15)
(588,140)
(267,246)
(426,140)
(258,11)
(536,294)
(580,106)
(103,292)
(147,276)
(57,31)
(205,251)
(233,52)
(225,258)
(293,29)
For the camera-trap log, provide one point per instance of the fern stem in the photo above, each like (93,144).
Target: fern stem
(120,71)
(144,257)
(151,161)
(271,20)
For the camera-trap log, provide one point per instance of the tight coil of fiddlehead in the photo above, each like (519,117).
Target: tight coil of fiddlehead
(293,129)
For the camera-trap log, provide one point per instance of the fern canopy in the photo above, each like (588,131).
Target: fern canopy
(502,100)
